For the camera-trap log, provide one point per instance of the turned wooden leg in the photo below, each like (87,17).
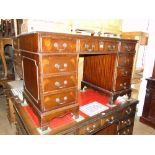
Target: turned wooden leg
(3,58)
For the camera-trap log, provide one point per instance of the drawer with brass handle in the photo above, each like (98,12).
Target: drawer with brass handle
(59,99)
(58,45)
(89,45)
(58,64)
(59,82)
(127,47)
(90,128)
(126,131)
(124,123)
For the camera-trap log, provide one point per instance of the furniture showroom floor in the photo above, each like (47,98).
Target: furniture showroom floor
(6,129)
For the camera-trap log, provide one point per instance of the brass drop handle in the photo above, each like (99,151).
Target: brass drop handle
(128,111)
(58,67)
(89,48)
(58,84)
(91,129)
(111,47)
(127,48)
(56,45)
(59,101)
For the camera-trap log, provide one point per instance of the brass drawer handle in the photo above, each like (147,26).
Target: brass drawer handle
(58,66)
(128,111)
(91,129)
(89,48)
(59,101)
(56,45)
(111,47)
(57,84)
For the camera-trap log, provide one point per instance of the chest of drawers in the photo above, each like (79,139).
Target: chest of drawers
(50,70)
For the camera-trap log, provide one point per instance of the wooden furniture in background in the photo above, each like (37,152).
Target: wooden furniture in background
(3,43)
(148,115)
(118,120)
(50,64)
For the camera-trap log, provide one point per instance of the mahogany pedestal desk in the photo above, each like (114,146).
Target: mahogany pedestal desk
(50,69)
(117,120)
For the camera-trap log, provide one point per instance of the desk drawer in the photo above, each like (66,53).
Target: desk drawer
(59,82)
(110,46)
(125,123)
(59,64)
(60,99)
(89,45)
(128,111)
(127,47)
(126,131)
(90,128)
(124,72)
(125,60)
(122,83)
(58,45)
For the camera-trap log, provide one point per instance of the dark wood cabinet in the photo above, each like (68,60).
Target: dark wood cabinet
(148,115)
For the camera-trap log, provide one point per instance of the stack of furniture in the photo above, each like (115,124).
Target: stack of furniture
(50,64)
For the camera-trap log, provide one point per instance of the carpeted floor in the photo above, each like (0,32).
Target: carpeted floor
(7,129)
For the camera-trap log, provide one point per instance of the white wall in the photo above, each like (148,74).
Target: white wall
(149,27)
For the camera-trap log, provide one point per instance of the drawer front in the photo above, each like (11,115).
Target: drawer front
(122,83)
(124,72)
(127,47)
(58,64)
(89,45)
(126,131)
(59,82)
(108,46)
(58,45)
(125,123)
(90,128)
(125,60)
(128,111)
(108,120)
(59,99)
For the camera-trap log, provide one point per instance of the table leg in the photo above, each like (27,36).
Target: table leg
(3,59)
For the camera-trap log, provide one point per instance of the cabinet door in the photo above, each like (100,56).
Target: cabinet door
(110,130)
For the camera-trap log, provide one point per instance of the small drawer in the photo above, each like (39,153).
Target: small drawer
(59,82)
(126,131)
(122,83)
(125,60)
(125,123)
(128,111)
(108,120)
(89,129)
(108,46)
(127,47)
(58,45)
(89,45)
(58,64)
(125,72)
(62,98)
